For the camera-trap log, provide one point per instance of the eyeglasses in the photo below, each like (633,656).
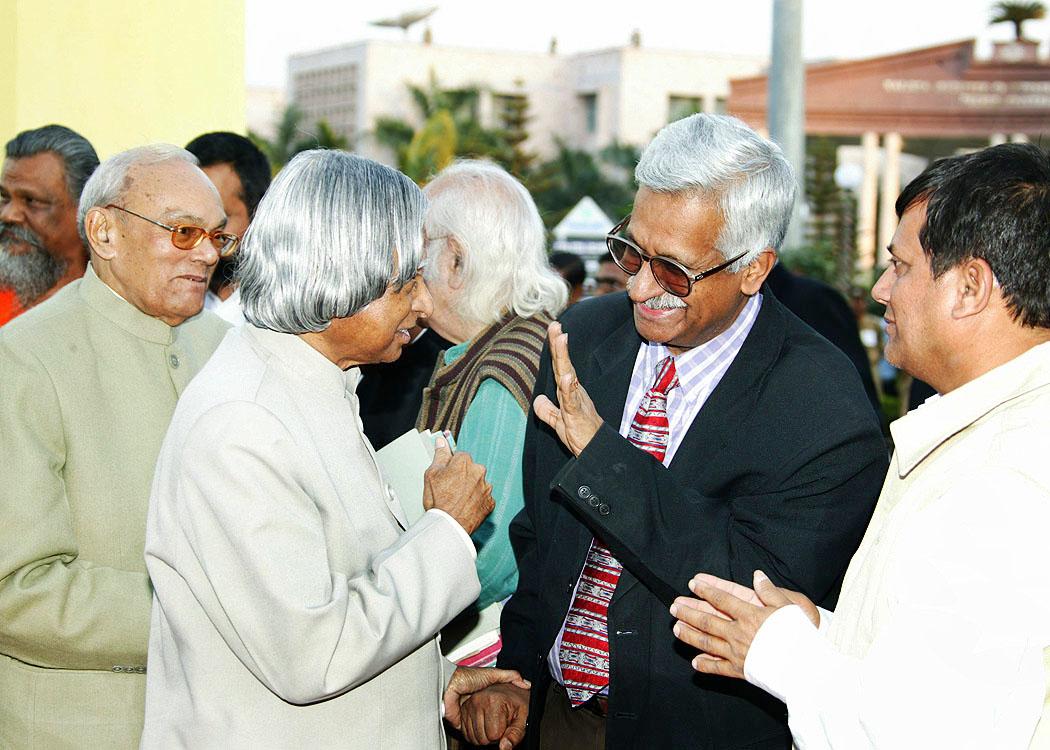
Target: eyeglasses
(188,236)
(671,275)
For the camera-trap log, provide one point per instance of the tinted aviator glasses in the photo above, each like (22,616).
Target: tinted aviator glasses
(671,275)
(188,236)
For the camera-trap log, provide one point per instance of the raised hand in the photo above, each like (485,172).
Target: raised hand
(456,485)
(575,419)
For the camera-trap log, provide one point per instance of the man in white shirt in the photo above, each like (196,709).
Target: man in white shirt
(241,174)
(941,634)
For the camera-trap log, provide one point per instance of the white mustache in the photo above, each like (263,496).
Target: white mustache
(665,301)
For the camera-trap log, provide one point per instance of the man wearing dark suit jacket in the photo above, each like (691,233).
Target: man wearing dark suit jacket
(772,459)
(825,310)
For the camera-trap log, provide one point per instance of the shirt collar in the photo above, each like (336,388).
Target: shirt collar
(110,305)
(306,361)
(691,365)
(921,431)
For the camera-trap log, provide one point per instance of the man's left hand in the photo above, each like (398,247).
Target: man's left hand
(723,622)
(576,421)
(468,680)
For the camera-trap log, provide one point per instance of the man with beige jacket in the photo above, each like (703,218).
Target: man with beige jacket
(88,384)
(941,636)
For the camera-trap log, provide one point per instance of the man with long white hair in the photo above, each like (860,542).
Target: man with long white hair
(494,296)
(691,421)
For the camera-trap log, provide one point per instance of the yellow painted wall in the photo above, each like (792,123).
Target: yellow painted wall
(122,72)
(8,28)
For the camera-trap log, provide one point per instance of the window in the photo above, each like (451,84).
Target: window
(589,102)
(683,106)
(720,105)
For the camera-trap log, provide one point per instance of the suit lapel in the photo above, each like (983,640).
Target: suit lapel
(728,404)
(733,398)
(613,364)
(606,374)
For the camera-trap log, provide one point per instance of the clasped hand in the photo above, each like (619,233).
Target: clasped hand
(575,419)
(725,617)
(488,705)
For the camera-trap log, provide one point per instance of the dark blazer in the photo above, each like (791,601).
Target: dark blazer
(780,471)
(823,308)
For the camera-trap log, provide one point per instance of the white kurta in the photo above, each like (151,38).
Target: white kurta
(291,608)
(941,634)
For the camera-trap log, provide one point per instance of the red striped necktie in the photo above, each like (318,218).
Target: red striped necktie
(584,650)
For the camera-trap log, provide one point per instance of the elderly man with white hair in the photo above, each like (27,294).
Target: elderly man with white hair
(494,296)
(692,421)
(295,606)
(88,384)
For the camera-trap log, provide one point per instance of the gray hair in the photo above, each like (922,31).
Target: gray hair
(325,240)
(494,220)
(109,182)
(721,157)
(77,154)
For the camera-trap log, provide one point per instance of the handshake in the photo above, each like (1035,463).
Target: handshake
(488,705)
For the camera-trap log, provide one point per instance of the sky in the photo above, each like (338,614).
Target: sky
(841,29)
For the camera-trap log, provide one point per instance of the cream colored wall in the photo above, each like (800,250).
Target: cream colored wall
(633,86)
(651,77)
(122,72)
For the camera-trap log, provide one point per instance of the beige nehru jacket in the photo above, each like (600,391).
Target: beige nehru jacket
(88,384)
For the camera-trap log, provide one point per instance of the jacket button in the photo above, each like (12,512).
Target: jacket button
(595,501)
(603,509)
(174,361)
(584,492)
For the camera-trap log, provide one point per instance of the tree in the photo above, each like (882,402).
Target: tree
(326,137)
(450,129)
(830,250)
(515,118)
(558,184)
(290,138)
(1017,14)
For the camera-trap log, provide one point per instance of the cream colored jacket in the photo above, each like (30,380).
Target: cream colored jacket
(292,608)
(88,384)
(941,637)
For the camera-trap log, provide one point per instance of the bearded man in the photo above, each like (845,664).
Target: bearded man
(41,250)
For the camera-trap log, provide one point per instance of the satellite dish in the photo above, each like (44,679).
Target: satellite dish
(405,20)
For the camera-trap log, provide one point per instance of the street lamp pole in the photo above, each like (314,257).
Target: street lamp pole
(787,102)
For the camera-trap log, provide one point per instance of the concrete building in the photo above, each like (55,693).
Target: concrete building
(941,92)
(120,73)
(589,100)
(264,106)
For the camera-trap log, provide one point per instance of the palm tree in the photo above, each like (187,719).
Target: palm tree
(450,129)
(291,137)
(1017,14)
(557,185)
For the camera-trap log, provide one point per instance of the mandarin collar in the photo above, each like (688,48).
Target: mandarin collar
(305,361)
(917,434)
(114,308)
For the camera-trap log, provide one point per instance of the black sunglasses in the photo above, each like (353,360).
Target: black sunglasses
(671,275)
